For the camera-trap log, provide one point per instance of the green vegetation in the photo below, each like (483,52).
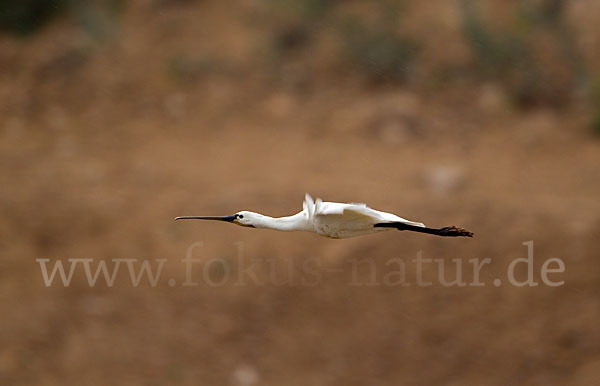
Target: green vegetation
(596,108)
(532,54)
(511,56)
(25,16)
(379,53)
(373,48)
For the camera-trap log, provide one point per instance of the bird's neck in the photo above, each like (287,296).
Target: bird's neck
(297,222)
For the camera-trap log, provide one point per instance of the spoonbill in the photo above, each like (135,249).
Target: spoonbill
(333,219)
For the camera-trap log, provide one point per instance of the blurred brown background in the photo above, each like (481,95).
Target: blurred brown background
(117,116)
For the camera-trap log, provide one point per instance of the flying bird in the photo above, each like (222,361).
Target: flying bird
(333,219)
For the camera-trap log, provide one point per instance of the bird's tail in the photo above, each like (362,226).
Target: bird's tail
(450,231)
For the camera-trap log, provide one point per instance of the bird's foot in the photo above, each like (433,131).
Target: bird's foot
(453,231)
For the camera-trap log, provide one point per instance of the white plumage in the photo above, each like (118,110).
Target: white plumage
(334,220)
(339,220)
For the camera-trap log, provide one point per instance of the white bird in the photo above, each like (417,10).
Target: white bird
(333,219)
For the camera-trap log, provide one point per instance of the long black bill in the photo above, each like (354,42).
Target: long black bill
(218,218)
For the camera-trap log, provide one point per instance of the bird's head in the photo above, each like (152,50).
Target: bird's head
(242,218)
(246,218)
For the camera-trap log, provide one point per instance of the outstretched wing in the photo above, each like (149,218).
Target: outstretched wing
(357,212)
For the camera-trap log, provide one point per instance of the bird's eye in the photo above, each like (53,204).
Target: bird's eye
(240,215)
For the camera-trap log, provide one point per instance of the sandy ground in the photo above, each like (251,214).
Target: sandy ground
(101,148)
